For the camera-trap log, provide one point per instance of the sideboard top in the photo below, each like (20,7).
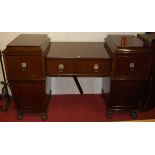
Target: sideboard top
(127,41)
(77,50)
(123,44)
(28,40)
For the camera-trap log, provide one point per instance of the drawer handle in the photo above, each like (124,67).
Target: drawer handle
(24,66)
(132,66)
(96,67)
(61,67)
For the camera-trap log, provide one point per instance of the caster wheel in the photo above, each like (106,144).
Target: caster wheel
(134,115)
(109,115)
(19,116)
(44,117)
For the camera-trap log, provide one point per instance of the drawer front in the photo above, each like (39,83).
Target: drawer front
(131,67)
(78,67)
(24,67)
(59,66)
(93,67)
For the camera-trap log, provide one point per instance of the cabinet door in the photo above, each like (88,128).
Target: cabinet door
(29,95)
(126,94)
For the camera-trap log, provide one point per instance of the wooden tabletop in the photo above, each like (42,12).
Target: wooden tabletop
(125,44)
(130,41)
(77,50)
(28,40)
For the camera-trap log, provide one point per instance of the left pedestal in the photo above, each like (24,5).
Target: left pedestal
(25,69)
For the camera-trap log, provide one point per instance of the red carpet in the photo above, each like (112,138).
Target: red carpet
(74,108)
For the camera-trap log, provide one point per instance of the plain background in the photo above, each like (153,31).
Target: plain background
(77,16)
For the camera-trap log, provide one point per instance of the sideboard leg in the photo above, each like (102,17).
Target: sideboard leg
(109,115)
(44,116)
(19,116)
(78,84)
(134,115)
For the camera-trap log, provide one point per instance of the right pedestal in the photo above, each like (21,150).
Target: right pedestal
(131,63)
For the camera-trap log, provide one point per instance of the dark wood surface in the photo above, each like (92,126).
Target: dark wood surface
(29,44)
(78,58)
(122,67)
(78,50)
(79,67)
(29,96)
(28,40)
(131,45)
(124,58)
(131,65)
(34,67)
(126,94)
(149,40)
(24,60)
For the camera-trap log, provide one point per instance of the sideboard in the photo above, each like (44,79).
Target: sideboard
(127,60)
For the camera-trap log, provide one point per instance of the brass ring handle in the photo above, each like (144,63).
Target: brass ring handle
(61,67)
(24,66)
(96,67)
(132,66)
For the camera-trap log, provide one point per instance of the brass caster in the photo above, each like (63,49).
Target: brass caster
(19,116)
(134,115)
(44,116)
(109,115)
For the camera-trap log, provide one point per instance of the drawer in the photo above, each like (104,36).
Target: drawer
(24,67)
(93,67)
(131,67)
(59,66)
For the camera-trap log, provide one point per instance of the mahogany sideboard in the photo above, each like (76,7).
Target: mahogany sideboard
(125,59)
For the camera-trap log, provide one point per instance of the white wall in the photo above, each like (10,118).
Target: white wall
(67,85)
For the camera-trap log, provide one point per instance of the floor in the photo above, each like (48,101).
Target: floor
(76,108)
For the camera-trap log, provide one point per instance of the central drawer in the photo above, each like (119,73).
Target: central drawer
(81,67)
(93,67)
(60,66)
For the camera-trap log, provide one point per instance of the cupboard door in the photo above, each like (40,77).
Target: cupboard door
(28,95)
(126,94)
